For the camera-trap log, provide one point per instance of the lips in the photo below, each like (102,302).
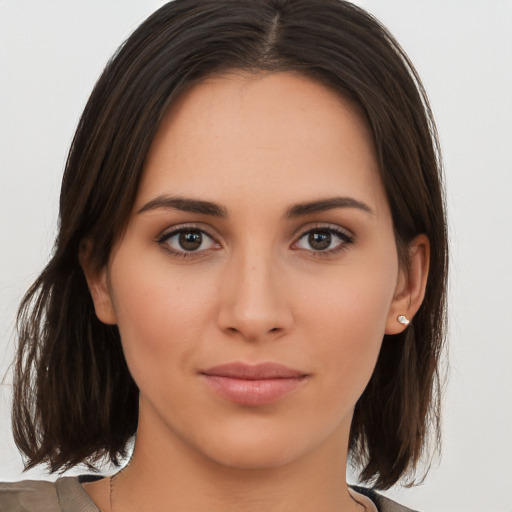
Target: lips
(253,385)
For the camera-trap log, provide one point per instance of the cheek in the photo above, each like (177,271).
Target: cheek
(160,317)
(346,316)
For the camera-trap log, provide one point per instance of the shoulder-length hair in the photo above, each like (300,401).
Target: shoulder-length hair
(74,398)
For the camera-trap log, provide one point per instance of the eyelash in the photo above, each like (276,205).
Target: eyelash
(344,237)
(166,236)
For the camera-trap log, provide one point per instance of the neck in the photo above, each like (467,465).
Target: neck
(173,476)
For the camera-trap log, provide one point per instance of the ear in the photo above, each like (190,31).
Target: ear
(410,289)
(97,282)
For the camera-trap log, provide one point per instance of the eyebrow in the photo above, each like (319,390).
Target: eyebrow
(185,205)
(323,205)
(209,208)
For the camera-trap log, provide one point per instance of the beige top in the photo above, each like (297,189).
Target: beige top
(68,495)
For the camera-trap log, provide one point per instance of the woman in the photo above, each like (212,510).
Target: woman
(250,271)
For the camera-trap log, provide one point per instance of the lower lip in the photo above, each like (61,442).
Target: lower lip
(253,392)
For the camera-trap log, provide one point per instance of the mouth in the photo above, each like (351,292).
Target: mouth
(253,385)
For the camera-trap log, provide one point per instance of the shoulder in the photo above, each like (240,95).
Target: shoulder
(29,495)
(388,505)
(383,504)
(64,495)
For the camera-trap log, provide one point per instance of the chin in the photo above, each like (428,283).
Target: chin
(259,447)
(256,458)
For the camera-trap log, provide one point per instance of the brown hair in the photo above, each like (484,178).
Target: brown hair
(74,399)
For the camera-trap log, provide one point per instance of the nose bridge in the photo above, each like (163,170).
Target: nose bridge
(253,300)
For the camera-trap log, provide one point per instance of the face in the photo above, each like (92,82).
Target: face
(258,272)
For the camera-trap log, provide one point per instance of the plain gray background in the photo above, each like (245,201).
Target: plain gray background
(51,53)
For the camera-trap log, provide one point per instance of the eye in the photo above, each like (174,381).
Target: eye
(184,241)
(323,239)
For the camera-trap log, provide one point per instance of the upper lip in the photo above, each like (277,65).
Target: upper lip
(260,371)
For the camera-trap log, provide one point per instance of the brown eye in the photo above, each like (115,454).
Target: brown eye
(324,240)
(190,240)
(319,240)
(185,241)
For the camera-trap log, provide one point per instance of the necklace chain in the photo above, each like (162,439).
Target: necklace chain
(112,491)
(111,485)
(111,482)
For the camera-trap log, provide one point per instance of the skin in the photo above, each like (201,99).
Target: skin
(255,291)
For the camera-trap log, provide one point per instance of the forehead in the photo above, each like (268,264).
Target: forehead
(280,132)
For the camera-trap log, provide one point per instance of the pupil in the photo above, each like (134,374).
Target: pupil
(190,240)
(319,240)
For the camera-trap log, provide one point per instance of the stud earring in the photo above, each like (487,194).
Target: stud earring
(403,320)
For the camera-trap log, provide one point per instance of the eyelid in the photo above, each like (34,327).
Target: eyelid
(184,227)
(323,226)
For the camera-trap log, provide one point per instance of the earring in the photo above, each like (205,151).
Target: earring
(403,320)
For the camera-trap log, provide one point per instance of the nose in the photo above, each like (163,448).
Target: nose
(254,303)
